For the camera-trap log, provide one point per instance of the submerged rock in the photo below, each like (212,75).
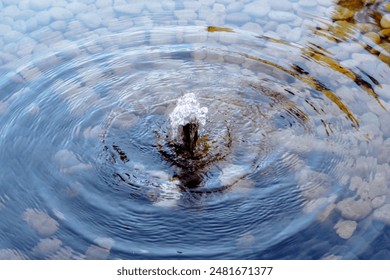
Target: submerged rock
(345,229)
(101,250)
(383,213)
(385,21)
(257,9)
(10,254)
(47,246)
(39,5)
(40,221)
(353,209)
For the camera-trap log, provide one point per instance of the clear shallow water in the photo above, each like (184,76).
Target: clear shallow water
(296,151)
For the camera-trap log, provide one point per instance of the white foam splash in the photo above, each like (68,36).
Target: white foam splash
(188,110)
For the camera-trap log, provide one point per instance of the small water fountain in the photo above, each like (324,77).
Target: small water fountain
(194,131)
(186,121)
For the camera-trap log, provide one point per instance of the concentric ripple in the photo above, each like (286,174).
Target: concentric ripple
(96,115)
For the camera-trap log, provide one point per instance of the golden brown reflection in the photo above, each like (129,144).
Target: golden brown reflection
(325,60)
(219,29)
(366,22)
(311,82)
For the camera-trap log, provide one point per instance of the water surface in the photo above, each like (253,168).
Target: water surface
(294,153)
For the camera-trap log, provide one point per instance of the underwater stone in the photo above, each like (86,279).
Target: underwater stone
(26,46)
(253,27)
(281,16)
(326,3)
(307,3)
(294,35)
(185,14)
(384,154)
(101,250)
(69,163)
(237,17)
(324,215)
(135,8)
(10,254)
(96,253)
(231,174)
(43,18)
(47,246)
(257,9)
(378,201)
(364,58)
(92,132)
(91,20)
(103,3)
(4,29)
(345,229)
(281,5)
(76,7)
(354,209)
(283,29)
(207,2)
(234,7)
(12,36)
(383,213)
(372,36)
(385,21)
(58,25)
(219,8)
(40,221)
(340,13)
(60,13)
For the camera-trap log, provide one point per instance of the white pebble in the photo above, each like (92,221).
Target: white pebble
(354,209)
(185,14)
(60,13)
(4,28)
(234,7)
(47,246)
(40,221)
(383,213)
(231,174)
(91,20)
(12,36)
(281,16)
(383,91)
(307,3)
(378,201)
(257,9)
(281,5)
(135,8)
(207,2)
(26,46)
(10,254)
(219,8)
(69,163)
(103,3)
(253,27)
(237,17)
(77,7)
(283,29)
(39,5)
(294,35)
(58,25)
(43,18)
(345,229)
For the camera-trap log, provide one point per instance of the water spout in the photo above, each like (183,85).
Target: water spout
(190,137)
(187,120)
